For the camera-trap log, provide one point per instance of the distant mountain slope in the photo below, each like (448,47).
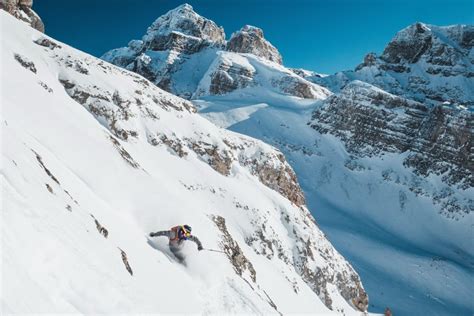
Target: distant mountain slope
(95,157)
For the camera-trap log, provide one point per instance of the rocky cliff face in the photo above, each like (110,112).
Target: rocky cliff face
(436,139)
(250,40)
(22,10)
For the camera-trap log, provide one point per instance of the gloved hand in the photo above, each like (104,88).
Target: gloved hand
(200,248)
(152,235)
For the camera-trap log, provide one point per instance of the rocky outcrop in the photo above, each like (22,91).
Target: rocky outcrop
(21,9)
(227,73)
(299,87)
(233,71)
(231,248)
(250,40)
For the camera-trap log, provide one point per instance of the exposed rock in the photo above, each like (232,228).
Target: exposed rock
(298,87)
(43,166)
(369,60)
(250,40)
(25,63)
(125,262)
(409,45)
(21,9)
(182,23)
(281,178)
(45,42)
(229,75)
(101,229)
(235,254)
(232,71)
(123,153)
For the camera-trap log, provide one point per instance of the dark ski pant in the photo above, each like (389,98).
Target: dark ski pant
(177,252)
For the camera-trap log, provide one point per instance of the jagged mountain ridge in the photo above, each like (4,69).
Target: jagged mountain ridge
(384,156)
(178,56)
(94,147)
(425,63)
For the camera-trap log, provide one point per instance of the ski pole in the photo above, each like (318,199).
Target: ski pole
(214,250)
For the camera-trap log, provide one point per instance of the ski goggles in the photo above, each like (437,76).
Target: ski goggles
(185,232)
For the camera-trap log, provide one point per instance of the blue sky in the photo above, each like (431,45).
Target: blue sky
(321,35)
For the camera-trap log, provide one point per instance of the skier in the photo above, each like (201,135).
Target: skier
(176,236)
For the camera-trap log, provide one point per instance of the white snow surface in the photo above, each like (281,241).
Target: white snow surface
(59,167)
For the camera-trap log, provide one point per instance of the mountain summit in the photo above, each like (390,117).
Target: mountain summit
(187,55)
(250,39)
(182,23)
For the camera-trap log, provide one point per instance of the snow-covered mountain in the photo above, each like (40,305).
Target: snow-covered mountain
(425,63)
(383,153)
(187,55)
(95,157)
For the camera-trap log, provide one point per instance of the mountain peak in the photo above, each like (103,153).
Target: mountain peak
(420,39)
(183,19)
(185,7)
(250,39)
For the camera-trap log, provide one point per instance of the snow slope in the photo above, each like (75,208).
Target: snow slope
(95,157)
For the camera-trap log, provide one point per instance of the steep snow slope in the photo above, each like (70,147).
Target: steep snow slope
(95,157)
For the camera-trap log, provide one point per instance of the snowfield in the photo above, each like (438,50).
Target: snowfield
(95,157)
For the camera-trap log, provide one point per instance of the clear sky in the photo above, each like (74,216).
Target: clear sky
(321,35)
